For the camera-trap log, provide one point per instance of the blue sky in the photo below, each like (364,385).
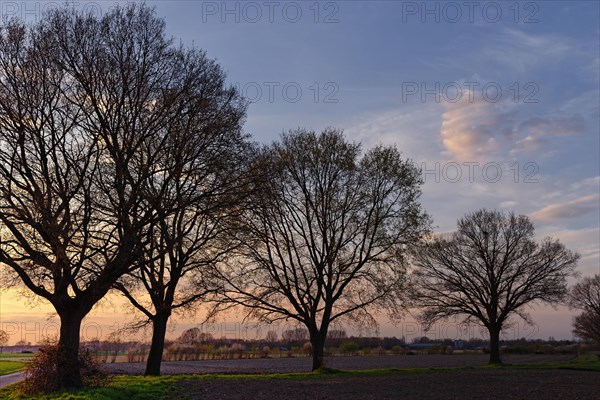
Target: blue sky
(374,68)
(497,101)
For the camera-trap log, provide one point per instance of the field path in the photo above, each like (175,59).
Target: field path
(6,380)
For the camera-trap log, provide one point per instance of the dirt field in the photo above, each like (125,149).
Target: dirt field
(284,365)
(446,385)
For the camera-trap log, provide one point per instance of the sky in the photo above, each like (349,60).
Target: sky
(497,102)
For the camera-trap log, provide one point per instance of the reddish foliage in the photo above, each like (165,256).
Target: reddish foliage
(42,372)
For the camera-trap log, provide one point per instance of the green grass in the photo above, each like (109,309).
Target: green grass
(150,388)
(119,388)
(16,355)
(8,367)
(585,362)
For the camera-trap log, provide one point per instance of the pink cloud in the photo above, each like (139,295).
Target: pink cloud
(569,209)
(470,127)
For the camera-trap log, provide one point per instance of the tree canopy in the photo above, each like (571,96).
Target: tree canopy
(585,295)
(489,269)
(323,235)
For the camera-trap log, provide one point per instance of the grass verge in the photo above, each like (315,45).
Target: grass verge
(119,388)
(8,367)
(16,355)
(150,388)
(584,362)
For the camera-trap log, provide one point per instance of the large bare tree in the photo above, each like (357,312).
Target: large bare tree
(324,233)
(194,237)
(89,110)
(488,270)
(585,295)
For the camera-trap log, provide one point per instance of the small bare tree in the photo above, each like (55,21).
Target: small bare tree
(194,336)
(294,335)
(323,234)
(271,337)
(488,270)
(585,295)
(3,339)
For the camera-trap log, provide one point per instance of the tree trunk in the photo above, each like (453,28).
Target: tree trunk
(69,369)
(317,340)
(494,345)
(159,329)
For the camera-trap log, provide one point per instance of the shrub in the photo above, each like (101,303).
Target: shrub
(236,350)
(136,353)
(307,348)
(265,351)
(41,373)
(349,348)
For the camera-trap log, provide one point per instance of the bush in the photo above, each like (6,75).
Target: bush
(266,350)
(349,348)
(307,349)
(41,373)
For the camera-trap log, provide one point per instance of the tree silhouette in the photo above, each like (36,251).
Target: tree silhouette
(488,270)
(585,295)
(3,339)
(324,234)
(93,113)
(191,239)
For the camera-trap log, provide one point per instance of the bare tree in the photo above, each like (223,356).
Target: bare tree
(201,182)
(194,336)
(490,269)
(324,234)
(271,337)
(3,339)
(337,334)
(181,246)
(294,335)
(585,295)
(90,109)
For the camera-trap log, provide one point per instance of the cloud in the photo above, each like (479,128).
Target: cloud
(477,129)
(592,68)
(413,129)
(508,204)
(583,240)
(566,126)
(472,128)
(568,209)
(537,131)
(589,184)
(529,144)
(522,51)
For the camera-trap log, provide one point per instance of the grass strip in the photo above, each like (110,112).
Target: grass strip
(8,367)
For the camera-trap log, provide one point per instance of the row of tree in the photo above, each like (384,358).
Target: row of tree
(124,166)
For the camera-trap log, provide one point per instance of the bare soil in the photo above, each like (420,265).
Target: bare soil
(303,364)
(447,385)
(437,384)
